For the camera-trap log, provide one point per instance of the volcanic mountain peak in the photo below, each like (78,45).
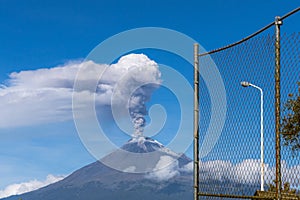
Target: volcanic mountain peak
(142,145)
(142,139)
(143,155)
(146,145)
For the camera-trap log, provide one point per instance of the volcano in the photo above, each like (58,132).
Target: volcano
(168,175)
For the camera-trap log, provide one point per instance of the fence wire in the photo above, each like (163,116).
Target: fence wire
(290,93)
(233,167)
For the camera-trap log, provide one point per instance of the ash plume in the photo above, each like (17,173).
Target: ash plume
(138,109)
(140,78)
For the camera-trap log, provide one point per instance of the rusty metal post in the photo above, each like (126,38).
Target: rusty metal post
(278,23)
(196,121)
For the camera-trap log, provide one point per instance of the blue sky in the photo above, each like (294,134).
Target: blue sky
(45,34)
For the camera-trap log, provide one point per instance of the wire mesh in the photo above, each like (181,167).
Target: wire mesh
(290,106)
(234,166)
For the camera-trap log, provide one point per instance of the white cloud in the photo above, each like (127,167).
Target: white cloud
(130,169)
(216,170)
(291,174)
(165,169)
(246,172)
(187,168)
(45,95)
(20,188)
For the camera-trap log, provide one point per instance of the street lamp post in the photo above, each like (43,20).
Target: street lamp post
(247,84)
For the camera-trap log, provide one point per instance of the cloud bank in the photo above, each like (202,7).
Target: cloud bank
(245,172)
(45,95)
(21,188)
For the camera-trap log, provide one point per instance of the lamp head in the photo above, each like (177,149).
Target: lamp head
(245,84)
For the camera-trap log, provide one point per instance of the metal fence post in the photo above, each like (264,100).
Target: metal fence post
(196,121)
(278,23)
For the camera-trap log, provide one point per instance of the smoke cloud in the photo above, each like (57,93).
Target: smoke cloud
(139,78)
(46,94)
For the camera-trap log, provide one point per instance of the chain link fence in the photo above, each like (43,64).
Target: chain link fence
(290,106)
(243,161)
